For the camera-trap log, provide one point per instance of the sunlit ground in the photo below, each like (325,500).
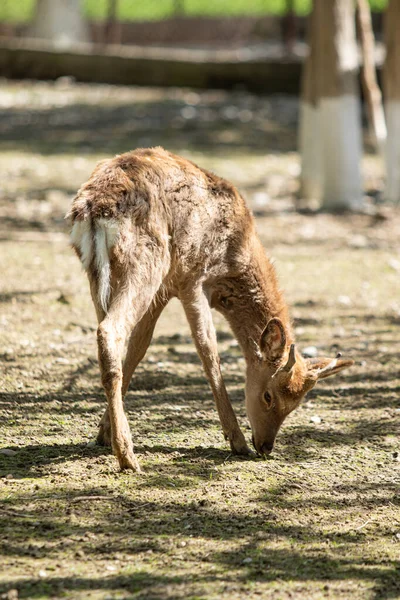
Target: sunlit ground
(321,518)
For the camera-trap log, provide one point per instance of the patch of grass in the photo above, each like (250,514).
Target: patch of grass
(137,10)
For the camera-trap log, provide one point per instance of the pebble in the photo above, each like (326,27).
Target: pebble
(261,199)
(247,561)
(8,452)
(315,419)
(358,241)
(344,300)
(394,264)
(310,352)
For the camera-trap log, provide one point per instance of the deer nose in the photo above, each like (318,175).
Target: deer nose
(266,448)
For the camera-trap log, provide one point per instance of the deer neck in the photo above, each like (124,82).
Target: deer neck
(255,300)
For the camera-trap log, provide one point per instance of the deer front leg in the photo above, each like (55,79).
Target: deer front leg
(198,313)
(137,348)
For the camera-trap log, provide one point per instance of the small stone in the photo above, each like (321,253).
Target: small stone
(344,300)
(394,264)
(310,352)
(339,332)
(188,112)
(8,452)
(65,81)
(261,199)
(182,544)
(63,299)
(247,561)
(10,476)
(42,573)
(358,241)
(315,419)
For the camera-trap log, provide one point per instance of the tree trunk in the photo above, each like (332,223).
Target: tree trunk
(60,21)
(289,27)
(392,100)
(179,8)
(340,115)
(111,33)
(372,92)
(310,142)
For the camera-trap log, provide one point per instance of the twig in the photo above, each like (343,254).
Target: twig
(82,498)
(277,472)
(16,513)
(363,525)
(227,458)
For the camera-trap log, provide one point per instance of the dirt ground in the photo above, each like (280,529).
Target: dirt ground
(321,517)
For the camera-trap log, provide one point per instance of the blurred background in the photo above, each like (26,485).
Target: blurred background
(298,104)
(193,22)
(253,78)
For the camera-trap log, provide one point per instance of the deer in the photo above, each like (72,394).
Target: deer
(149,226)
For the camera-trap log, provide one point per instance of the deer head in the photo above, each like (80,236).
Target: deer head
(276,385)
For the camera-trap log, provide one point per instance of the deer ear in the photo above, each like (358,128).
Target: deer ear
(326,367)
(273,340)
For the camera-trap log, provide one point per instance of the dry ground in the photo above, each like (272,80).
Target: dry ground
(321,518)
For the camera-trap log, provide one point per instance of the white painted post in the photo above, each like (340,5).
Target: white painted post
(60,21)
(330,115)
(339,106)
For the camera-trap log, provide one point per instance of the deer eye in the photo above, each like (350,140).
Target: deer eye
(268,399)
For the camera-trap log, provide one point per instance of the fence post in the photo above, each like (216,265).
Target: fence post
(289,27)
(111,30)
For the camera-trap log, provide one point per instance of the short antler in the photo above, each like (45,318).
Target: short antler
(291,360)
(328,367)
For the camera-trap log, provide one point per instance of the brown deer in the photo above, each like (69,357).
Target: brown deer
(148,226)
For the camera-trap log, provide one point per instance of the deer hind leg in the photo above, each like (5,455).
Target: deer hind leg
(138,343)
(132,296)
(111,335)
(198,313)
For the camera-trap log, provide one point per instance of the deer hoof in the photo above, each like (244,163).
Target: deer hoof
(247,452)
(129,461)
(241,448)
(104,436)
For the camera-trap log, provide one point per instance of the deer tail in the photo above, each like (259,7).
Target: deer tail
(93,240)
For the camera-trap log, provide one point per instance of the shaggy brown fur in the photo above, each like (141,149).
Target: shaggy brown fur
(149,226)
